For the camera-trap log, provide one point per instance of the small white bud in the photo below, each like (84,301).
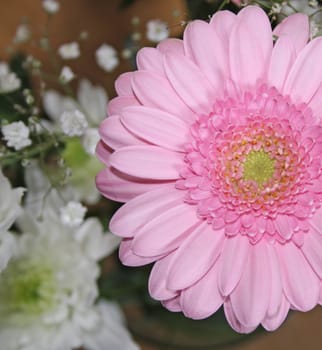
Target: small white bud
(66,75)
(17,135)
(51,6)
(69,51)
(72,214)
(73,123)
(157,30)
(106,57)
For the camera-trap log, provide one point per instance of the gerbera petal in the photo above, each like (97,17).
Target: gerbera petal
(235,252)
(296,29)
(233,321)
(171,45)
(190,83)
(155,126)
(270,323)
(123,85)
(153,90)
(149,58)
(312,249)
(301,84)
(316,103)
(157,280)
(148,162)
(128,258)
(223,23)
(250,298)
(103,152)
(205,48)
(115,135)
(296,274)
(135,213)
(116,105)
(188,258)
(165,232)
(172,304)
(122,187)
(250,46)
(203,298)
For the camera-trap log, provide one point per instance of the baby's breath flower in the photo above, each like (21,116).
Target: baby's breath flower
(66,75)
(157,30)
(23,34)
(106,57)
(4,68)
(17,135)
(51,6)
(69,51)
(9,82)
(90,140)
(72,214)
(73,123)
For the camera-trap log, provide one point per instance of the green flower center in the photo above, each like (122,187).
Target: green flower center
(258,167)
(27,288)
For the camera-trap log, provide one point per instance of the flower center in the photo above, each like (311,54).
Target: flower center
(259,167)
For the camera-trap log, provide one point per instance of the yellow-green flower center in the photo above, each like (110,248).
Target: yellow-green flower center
(258,167)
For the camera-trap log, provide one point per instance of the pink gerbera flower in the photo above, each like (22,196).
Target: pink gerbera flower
(217,143)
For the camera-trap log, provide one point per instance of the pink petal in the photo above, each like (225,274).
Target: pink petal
(166,231)
(283,226)
(157,279)
(172,304)
(121,187)
(156,126)
(273,322)
(206,49)
(123,85)
(195,256)
(301,84)
(232,262)
(140,210)
(223,23)
(283,56)
(300,283)
(150,59)
(250,298)
(171,45)
(312,249)
(233,321)
(316,103)
(103,152)
(295,29)
(190,83)
(148,162)
(116,105)
(250,46)
(128,258)
(115,135)
(203,298)
(153,90)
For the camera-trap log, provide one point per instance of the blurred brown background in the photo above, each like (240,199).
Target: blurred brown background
(106,23)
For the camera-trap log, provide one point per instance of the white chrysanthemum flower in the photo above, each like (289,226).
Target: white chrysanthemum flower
(17,135)
(66,75)
(23,34)
(9,211)
(90,140)
(48,290)
(9,83)
(72,214)
(157,30)
(73,123)
(51,6)
(69,51)
(106,57)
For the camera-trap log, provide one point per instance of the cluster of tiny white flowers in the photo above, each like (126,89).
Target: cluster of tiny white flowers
(72,214)
(17,135)
(23,34)
(51,6)
(8,80)
(66,75)
(69,51)
(90,140)
(157,30)
(73,123)
(106,57)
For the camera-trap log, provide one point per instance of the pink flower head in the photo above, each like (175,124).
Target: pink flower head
(217,142)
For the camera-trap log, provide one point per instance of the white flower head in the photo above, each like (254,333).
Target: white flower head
(106,57)
(66,75)
(157,30)
(90,140)
(17,135)
(73,123)
(9,82)
(23,34)
(72,214)
(51,6)
(4,68)
(69,51)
